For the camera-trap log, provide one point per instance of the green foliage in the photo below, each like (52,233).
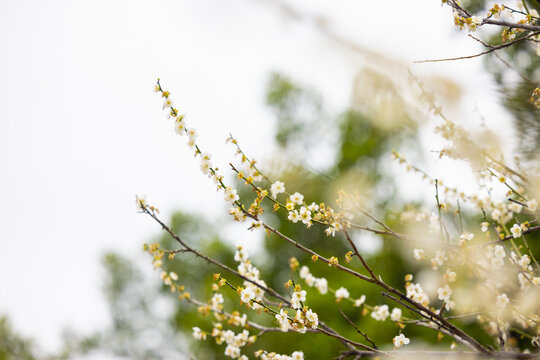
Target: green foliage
(12,345)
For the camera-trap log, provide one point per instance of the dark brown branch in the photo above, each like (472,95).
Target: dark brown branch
(492,49)
(213,261)
(368,339)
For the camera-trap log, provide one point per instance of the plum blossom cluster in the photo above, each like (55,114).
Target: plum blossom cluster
(252,293)
(263,355)
(492,254)
(321,284)
(233,341)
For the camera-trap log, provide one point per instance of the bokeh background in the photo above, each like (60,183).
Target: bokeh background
(317,91)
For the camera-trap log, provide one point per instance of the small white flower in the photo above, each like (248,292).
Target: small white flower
(140,202)
(502,301)
(174,276)
(237,214)
(516,231)
(247,294)
(499,252)
(514,207)
(313,318)
(444,293)
(400,340)
(450,275)
(230,195)
(342,293)
(466,236)
(484,226)
(241,254)
(216,300)
(304,272)
(305,215)
(313,207)
(322,285)
(419,254)
(396,314)
(532,205)
(294,216)
(524,262)
(358,302)
(277,188)
(380,313)
(297,198)
(283,320)
(167,103)
(477,20)
(310,280)
(330,231)
(438,260)
(297,355)
(198,334)
(495,214)
(297,298)
(179,126)
(232,351)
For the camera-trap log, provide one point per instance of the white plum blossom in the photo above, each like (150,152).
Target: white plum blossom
(484,226)
(444,293)
(330,231)
(237,214)
(277,188)
(322,285)
(241,254)
(247,294)
(502,301)
(358,302)
(395,315)
(516,231)
(438,260)
(532,205)
(294,216)
(232,351)
(313,318)
(230,195)
(419,254)
(179,126)
(310,280)
(450,275)
(499,251)
(416,293)
(167,103)
(217,299)
(305,215)
(297,355)
(496,214)
(297,198)
(400,340)
(140,202)
(342,293)
(380,313)
(297,298)
(313,207)
(524,262)
(514,207)
(198,334)
(283,320)
(304,272)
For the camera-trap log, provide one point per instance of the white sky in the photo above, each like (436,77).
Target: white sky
(81,131)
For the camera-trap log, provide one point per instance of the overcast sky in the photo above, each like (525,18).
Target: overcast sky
(81,131)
